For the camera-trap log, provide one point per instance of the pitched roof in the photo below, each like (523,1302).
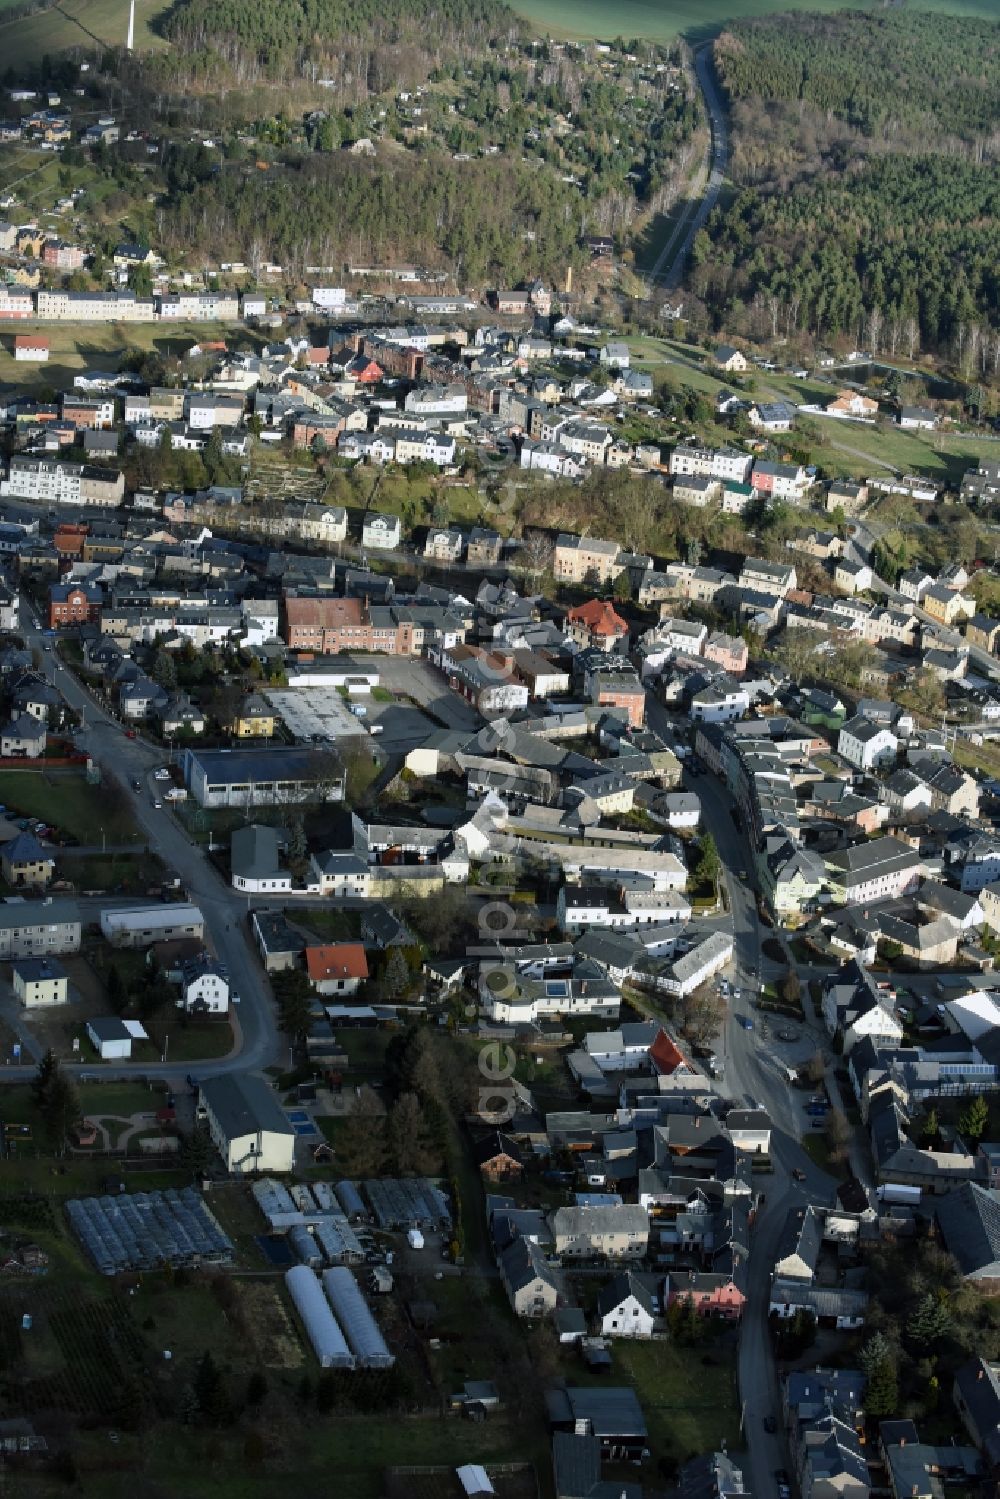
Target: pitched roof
(969,1219)
(338,960)
(619,1289)
(495,1145)
(665,1055)
(599,616)
(243,1104)
(25,849)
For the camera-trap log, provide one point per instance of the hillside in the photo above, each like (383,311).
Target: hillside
(866,148)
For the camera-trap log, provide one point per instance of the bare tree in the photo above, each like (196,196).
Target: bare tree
(537,554)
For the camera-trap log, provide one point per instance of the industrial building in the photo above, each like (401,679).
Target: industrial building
(321,1328)
(143,925)
(144,1230)
(261,777)
(407,1203)
(362,1331)
(247,1124)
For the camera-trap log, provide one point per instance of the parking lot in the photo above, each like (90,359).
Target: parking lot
(407,677)
(402,726)
(312,714)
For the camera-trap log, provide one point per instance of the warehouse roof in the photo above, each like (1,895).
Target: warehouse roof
(243,1104)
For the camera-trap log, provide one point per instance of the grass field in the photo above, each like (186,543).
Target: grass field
(65,800)
(86,24)
(846,448)
(662,20)
(78,346)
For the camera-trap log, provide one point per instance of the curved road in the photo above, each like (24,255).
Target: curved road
(669,266)
(103,739)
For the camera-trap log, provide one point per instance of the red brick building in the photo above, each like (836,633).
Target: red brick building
(328,625)
(74,604)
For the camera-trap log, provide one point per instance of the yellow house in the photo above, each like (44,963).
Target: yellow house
(253,719)
(947,605)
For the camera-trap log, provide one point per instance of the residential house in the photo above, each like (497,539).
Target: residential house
(40,981)
(730,359)
(381,532)
(253,719)
(852,577)
(528,1280)
(585,559)
(247,1124)
(204,986)
(24,738)
(918,418)
(855,1007)
(853,403)
(882,869)
(255,860)
(866,745)
(23,861)
(337,968)
(74,604)
(947,605)
(626,1308)
(976,1394)
(499,1158)
(596,624)
(617,1232)
(829,1460)
(969,1220)
(33,929)
(983,632)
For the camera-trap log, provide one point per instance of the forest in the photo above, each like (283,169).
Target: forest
(894,75)
(905,248)
(278,41)
(486,217)
(865,146)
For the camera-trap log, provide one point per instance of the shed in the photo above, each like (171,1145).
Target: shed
(322,1330)
(111,1038)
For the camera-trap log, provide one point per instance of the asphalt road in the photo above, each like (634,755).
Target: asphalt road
(754,1070)
(669,266)
(225,912)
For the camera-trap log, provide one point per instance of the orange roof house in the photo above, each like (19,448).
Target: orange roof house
(596,623)
(337,968)
(667,1057)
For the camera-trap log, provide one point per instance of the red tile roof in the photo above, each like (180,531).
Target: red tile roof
(600,618)
(665,1055)
(341,960)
